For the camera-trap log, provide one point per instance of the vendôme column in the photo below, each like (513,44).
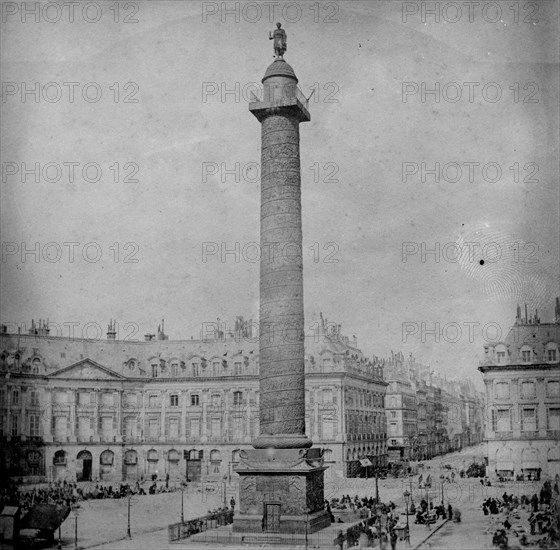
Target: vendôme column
(282,354)
(281,488)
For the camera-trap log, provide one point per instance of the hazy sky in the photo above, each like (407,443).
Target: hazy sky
(366,160)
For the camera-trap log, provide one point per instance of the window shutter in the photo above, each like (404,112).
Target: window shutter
(536,417)
(320,427)
(114,423)
(76,424)
(208,425)
(166,426)
(68,425)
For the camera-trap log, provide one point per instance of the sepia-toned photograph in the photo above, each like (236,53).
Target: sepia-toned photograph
(280,274)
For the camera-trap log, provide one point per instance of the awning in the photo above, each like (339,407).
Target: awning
(530,465)
(508,466)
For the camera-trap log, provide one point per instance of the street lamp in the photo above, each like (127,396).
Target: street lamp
(442,477)
(76,508)
(183,484)
(406,495)
(59,508)
(129,495)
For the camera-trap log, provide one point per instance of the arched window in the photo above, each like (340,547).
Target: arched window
(173,455)
(152,455)
(107,458)
(59,458)
(131,457)
(36,365)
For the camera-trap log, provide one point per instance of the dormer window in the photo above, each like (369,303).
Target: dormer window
(501,355)
(526,355)
(551,356)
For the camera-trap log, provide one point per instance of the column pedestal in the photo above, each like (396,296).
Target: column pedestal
(281,491)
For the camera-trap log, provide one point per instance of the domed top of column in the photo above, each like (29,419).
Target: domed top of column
(279,68)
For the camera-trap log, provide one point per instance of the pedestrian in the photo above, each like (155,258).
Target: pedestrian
(393,539)
(339,540)
(450,511)
(167,480)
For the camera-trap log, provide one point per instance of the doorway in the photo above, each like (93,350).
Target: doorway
(271,517)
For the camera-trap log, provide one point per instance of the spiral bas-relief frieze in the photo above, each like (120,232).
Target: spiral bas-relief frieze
(282,380)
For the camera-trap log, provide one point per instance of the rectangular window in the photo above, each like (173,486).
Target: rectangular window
(554,418)
(153,401)
(174,428)
(215,467)
(215,400)
(60,426)
(174,400)
(502,390)
(154,427)
(174,370)
(501,356)
(528,419)
(237,369)
(107,399)
(14,425)
(553,388)
(33,398)
(130,426)
(237,398)
(526,355)
(61,398)
(131,400)
(15,397)
(195,369)
(195,427)
(34,426)
(154,371)
(393,414)
(84,427)
(552,355)
(216,427)
(107,426)
(2,396)
(195,400)
(504,421)
(527,390)
(216,368)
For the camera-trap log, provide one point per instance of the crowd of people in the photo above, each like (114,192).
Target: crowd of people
(69,493)
(541,510)
(379,522)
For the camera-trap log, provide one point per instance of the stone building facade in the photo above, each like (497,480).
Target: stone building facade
(116,410)
(522,378)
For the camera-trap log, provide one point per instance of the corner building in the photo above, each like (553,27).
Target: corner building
(522,378)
